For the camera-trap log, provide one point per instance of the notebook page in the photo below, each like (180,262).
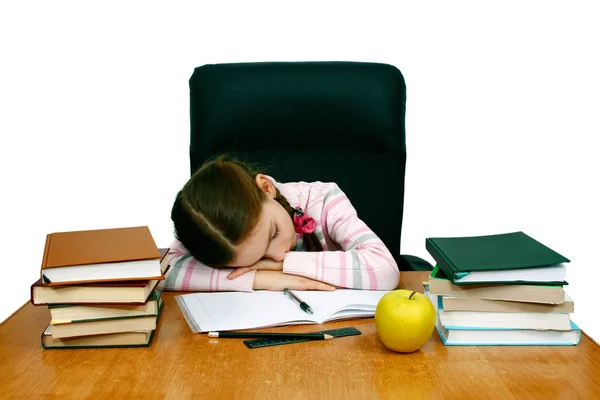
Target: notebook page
(239,310)
(326,304)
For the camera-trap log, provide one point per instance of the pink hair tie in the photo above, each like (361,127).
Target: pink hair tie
(302,222)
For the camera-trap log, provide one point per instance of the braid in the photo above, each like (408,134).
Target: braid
(310,240)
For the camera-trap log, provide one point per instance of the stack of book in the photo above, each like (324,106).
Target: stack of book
(504,289)
(100,287)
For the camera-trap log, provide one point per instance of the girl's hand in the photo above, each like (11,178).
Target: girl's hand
(276,280)
(263,264)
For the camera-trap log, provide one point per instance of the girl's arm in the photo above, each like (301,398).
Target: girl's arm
(363,261)
(188,274)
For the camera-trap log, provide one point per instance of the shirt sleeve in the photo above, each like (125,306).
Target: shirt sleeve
(188,274)
(362,261)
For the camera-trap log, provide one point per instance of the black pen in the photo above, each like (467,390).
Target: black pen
(260,335)
(305,307)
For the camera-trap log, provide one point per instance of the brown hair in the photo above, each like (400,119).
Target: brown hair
(218,208)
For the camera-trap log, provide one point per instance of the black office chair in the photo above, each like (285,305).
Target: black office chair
(339,122)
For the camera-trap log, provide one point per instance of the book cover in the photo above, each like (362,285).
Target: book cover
(458,256)
(79,251)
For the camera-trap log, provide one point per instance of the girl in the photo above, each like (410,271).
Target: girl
(239,230)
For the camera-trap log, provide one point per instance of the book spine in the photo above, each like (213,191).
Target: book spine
(445,265)
(45,256)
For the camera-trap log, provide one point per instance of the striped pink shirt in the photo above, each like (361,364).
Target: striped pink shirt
(353,257)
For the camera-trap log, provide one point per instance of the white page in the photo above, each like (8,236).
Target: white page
(239,310)
(115,270)
(554,273)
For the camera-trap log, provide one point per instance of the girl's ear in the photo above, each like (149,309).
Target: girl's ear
(265,185)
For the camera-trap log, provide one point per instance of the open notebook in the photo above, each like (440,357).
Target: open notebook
(224,311)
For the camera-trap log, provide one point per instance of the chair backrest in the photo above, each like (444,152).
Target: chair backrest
(337,122)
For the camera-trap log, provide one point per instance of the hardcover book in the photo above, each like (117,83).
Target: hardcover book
(68,313)
(138,338)
(545,294)
(502,258)
(100,255)
(118,292)
(505,337)
(104,326)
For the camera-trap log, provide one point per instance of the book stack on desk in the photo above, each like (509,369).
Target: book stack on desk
(100,287)
(504,289)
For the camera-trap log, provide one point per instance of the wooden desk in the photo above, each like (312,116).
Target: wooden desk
(183,365)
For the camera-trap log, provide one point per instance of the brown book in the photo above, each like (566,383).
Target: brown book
(102,255)
(126,292)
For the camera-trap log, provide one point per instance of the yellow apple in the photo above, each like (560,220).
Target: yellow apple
(404,320)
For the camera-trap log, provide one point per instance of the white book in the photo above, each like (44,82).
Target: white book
(504,320)
(223,311)
(504,337)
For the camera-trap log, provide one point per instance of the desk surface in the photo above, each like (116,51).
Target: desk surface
(182,365)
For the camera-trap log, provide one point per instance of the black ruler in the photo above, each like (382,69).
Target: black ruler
(258,343)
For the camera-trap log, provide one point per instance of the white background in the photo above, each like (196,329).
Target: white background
(502,115)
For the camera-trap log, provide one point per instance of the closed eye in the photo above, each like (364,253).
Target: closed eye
(275,234)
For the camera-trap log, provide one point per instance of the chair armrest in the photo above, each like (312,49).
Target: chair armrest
(413,263)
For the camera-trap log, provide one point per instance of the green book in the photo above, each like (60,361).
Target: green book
(502,258)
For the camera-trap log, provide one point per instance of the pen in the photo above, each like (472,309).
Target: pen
(305,307)
(259,335)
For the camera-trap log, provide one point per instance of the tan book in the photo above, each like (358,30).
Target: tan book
(124,339)
(66,313)
(438,284)
(130,292)
(104,326)
(474,304)
(101,255)
(140,338)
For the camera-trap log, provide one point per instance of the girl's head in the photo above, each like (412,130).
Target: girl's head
(229,215)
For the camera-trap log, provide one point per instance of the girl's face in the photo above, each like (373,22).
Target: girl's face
(273,236)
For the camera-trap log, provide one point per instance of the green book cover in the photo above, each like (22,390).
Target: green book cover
(458,256)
